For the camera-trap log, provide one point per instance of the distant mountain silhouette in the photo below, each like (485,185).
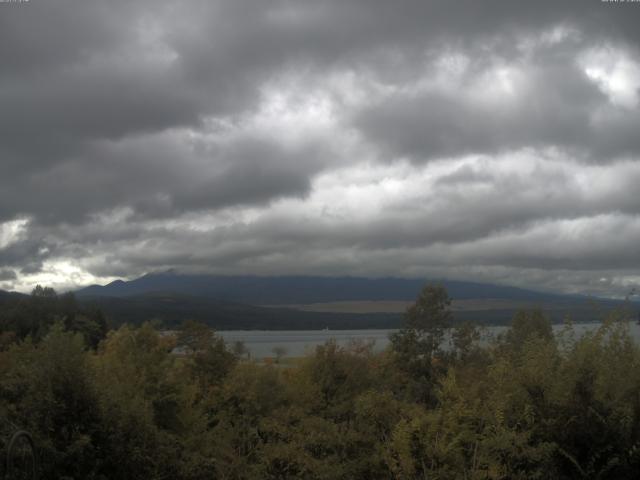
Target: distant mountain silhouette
(5,296)
(280,290)
(237,302)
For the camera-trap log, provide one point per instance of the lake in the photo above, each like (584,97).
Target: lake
(296,343)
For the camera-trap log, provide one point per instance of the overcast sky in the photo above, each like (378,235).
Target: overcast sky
(495,141)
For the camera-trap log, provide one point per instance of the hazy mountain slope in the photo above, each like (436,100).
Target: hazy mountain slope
(301,290)
(10,296)
(237,302)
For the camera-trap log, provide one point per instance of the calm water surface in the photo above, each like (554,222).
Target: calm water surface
(296,343)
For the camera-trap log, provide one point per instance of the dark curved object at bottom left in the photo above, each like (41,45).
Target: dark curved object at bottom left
(20,462)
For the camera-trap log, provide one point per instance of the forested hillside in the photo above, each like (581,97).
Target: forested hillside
(171,310)
(529,405)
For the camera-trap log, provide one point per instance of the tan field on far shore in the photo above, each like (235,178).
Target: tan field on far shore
(391,306)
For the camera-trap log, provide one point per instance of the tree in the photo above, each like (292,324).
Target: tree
(47,389)
(525,326)
(279,352)
(418,343)
(194,337)
(34,315)
(430,314)
(145,401)
(43,292)
(240,349)
(464,340)
(209,360)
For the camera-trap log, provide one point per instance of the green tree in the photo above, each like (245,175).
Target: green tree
(34,315)
(417,346)
(464,340)
(240,349)
(147,404)
(279,351)
(208,359)
(47,389)
(527,325)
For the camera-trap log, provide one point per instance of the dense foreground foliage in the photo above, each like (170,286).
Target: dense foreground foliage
(526,405)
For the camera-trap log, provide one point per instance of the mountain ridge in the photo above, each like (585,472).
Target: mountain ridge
(312,302)
(278,290)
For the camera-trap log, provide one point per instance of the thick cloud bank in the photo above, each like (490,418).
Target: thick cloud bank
(494,140)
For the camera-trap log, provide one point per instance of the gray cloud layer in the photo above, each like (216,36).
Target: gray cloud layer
(493,140)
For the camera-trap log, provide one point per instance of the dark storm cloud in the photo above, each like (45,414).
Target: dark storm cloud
(554,110)
(126,126)
(254,171)
(6,274)
(26,255)
(160,177)
(551,102)
(80,72)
